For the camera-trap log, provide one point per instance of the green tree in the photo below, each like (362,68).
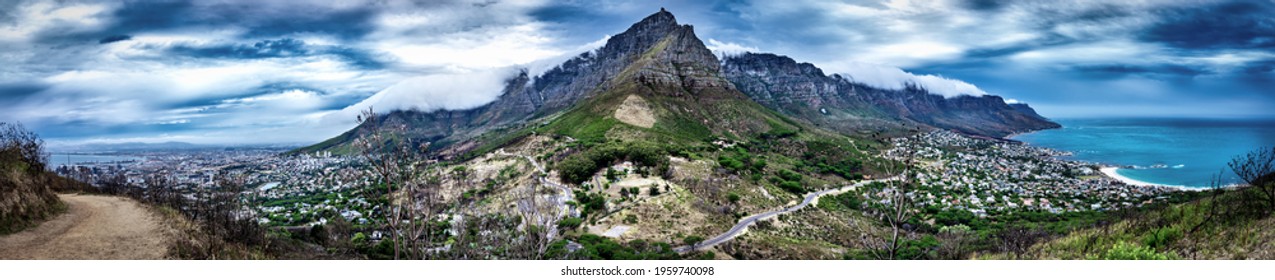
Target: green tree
(693,241)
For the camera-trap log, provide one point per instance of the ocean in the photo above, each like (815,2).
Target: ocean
(1178,152)
(56,160)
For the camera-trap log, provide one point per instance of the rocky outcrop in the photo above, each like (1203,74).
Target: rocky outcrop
(803,90)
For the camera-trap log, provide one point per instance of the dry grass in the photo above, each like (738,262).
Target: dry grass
(635,111)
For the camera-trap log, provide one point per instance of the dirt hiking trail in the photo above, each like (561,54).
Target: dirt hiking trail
(93,227)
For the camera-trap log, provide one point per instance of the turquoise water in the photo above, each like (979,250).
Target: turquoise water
(1183,152)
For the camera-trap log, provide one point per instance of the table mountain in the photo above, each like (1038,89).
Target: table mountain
(658,81)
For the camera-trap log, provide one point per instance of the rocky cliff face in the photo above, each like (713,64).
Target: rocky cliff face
(674,82)
(525,97)
(803,90)
(659,57)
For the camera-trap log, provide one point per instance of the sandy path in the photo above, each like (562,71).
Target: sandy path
(94,227)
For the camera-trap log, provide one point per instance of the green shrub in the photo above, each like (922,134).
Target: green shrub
(693,239)
(915,249)
(730,163)
(570,223)
(1129,251)
(788,175)
(580,166)
(792,187)
(949,217)
(359,239)
(576,168)
(1161,237)
(601,248)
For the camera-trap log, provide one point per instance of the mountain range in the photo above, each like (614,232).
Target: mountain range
(658,78)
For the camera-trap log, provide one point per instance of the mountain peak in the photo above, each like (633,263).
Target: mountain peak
(644,34)
(661,18)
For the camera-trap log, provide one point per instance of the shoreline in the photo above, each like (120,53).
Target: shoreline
(1110,171)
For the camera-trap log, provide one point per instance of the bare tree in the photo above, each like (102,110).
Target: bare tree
(1215,190)
(956,241)
(901,209)
(539,227)
(1257,168)
(1017,240)
(19,144)
(401,169)
(900,206)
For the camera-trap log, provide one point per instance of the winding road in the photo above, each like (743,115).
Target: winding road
(742,227)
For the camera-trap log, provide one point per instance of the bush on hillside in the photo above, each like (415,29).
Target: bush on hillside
(1130,251)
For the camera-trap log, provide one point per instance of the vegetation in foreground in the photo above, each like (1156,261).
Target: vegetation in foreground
(1221,223)
(27,188)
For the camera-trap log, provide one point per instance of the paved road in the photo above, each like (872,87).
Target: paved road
(742,227)
(94,227)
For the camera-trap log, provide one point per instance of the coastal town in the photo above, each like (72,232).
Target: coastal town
(990,177)
(987,177)
(297,190)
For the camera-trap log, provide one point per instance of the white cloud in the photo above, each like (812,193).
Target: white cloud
(911,53)
(725,49)
(45,16)
(887,77)
(539,67)
(431,93)
(293,100)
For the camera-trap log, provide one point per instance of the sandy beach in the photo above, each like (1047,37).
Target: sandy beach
(1110,171)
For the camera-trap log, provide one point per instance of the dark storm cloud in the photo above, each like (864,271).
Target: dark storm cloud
(281,48)
(984,5)
(88,128)
(1261,67)
(15,92)
(563,12)
(1261,75)
(258,91)
(257,19)
(580,21)
(1232,25)
(114,38)
(809,26)
(9,10)
(1047,24)
(158,15)
(1047,40)
(1113,71)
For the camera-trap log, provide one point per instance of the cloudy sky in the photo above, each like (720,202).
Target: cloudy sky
(230,71)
